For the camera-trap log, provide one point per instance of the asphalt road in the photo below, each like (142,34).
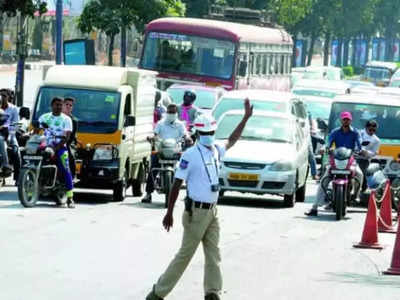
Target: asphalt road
(104,250)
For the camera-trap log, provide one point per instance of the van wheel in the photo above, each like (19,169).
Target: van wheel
(119,190)
(301,192)
(289,200)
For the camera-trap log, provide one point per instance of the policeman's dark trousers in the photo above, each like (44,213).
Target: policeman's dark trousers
(63,166)
(201,227)
(152,175)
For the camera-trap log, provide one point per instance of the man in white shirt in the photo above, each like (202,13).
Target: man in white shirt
(57,130)
(368,135)
(167,128)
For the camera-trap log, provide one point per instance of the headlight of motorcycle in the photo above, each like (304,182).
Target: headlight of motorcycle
(104,152)
(282,166)
(341,164)
(394,166)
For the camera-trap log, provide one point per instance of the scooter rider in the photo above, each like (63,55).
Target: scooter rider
(344,136)
(58,124)
(199,167)
(11,111)
(368,135)
(187,112)
(168,127)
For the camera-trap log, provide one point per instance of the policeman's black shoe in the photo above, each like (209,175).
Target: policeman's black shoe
(312,212)
(147,198)
(153,296)
(211,296)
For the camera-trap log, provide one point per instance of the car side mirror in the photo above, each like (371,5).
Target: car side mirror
(322,125)
(130,121)
(242,68)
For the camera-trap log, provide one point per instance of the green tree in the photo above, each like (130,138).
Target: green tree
(25,7)
(110,16)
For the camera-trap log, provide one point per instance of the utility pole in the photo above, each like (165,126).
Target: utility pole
(123,47)
(59,22)
(22,53)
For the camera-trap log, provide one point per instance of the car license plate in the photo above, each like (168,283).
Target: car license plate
(243,177)
(164,161)
(32,157)
(340,172)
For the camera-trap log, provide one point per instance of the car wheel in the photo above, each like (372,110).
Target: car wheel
(289,200)
(301,192)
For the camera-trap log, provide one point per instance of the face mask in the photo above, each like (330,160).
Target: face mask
(171,117)
(207,140)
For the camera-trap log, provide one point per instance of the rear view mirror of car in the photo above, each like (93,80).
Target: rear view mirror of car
(130,121)
(322,125)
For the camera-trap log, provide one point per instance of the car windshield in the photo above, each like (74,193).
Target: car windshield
(387,116)
(376,73)
(317,93)
(204,98)
(318,109)
(96,111)
(189,54)
(226,104)
(260,128)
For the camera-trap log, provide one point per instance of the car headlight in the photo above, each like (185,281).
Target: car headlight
(282,166)
(104,152)
(341,164)
(394,166)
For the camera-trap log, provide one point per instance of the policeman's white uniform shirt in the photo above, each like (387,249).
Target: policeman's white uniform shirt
(373,146)
(192,169)
(167,130)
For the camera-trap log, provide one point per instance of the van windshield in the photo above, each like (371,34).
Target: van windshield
(96,111)
(387,116)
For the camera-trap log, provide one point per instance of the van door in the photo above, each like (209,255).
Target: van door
(127,142)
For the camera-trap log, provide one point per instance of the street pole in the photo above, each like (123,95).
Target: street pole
(21,52)
(59,16)
(123,47)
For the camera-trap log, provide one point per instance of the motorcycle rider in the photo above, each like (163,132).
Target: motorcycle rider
(368,134)
(344,136)
(58,124)
(11,111)
(187,111)
(168,127)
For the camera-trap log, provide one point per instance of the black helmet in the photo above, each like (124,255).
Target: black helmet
(189,96)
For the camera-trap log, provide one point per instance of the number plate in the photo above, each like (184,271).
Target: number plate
(340,172)
(171,161)
(243,177)
(32,157)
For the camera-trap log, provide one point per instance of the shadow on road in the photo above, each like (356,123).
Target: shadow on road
(369,280)
(153,205)
(251,202)
(92,198)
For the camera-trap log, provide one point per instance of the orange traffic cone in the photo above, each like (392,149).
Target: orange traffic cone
(385,214)
(369,237)
(395,265)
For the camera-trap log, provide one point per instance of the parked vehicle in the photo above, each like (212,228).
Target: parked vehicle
(40,178)
(342,170)
(169,152)
(206,97)
(114,107)
(264,100)
(379,72)
(271,157)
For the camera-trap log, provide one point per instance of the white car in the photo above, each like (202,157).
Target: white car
(264,100)
(321,88)
(271,156)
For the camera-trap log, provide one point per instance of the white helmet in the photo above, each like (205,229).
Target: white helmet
(205,123)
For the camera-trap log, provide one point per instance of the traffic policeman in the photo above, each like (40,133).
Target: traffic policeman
(199,167)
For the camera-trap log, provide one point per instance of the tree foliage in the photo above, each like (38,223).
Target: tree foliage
(110,16)
(25,7)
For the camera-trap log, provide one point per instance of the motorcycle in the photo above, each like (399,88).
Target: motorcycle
(169,152)
(342,172)
(392,172)
(39,176)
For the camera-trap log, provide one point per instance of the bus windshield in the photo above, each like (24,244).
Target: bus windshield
(96,111)
(387,117)
(168,52)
